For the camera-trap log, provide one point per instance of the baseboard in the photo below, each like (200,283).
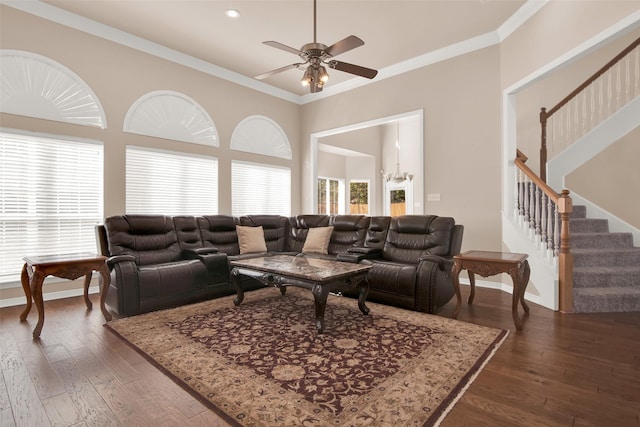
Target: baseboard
(49,296)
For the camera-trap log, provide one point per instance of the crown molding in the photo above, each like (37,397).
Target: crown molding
(89,26)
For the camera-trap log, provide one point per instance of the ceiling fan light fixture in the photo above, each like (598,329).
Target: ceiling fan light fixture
(316,55)
(323,76)
(307,78)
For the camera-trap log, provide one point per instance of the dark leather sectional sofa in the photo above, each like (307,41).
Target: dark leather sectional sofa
(161,261)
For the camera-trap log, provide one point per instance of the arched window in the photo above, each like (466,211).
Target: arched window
(261,135)
(171,115)
(36,86)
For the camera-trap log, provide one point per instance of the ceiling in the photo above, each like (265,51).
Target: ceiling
(393,31)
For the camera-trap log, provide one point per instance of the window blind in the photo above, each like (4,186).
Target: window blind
(170,183)
(260,189)
(51,198)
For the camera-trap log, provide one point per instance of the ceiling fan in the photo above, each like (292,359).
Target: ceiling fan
(315,55)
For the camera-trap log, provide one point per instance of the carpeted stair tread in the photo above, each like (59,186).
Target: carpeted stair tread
(579,211)
(588,225)
(606,277)
(601,240)
(604,258)
(600,300)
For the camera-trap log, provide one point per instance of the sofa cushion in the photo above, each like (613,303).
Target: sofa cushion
(299,227)
(219,231)
(275,227)
(318,240)
(151,239)
(410,237)
(251,239)
(348,231)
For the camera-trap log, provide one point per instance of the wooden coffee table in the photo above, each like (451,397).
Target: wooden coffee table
(318,275)
(487,264)
(66,266)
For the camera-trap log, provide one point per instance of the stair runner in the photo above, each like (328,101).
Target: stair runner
(606,266)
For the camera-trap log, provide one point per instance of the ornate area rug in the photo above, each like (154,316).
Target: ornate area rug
(264,364)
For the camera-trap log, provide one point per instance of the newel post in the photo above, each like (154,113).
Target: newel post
(543,145)
(565,258)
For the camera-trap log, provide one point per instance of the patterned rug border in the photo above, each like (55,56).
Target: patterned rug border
(471,376)
(226,417)
(434,420)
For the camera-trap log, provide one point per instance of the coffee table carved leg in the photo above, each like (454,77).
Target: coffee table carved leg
(87,301)
(24,278)
(105,283)
(320,294)
(472,285)
(235,281)
(363,290)
(36,281)
(455,273)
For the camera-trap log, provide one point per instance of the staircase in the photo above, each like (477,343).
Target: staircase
(606,266)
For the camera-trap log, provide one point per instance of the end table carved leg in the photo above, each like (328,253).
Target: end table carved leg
(87,301)
(235,281)
(320,294)
(455,273)
(516,296)
(472,285)
(105,283)
(36,290)
(24,278)
(525,272)
(363,290)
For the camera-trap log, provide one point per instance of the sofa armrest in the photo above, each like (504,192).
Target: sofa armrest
(198,252)
(364,250)
(444,264)
(357,254)
(111,261)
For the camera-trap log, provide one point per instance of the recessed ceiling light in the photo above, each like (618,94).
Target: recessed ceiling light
(232,13)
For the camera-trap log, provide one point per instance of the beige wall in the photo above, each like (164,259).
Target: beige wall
(461,135)
(559,27)
(460,97)
(550,90)
(119,76)
(611,180)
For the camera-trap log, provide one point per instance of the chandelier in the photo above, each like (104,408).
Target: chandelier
(397,177)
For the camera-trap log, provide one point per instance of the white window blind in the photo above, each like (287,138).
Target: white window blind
(170,183)
(260,189)
(50,198)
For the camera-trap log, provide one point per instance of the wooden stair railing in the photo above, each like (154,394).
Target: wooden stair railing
(547,214)
(623,80)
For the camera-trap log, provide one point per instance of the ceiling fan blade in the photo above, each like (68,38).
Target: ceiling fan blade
(344,45)
(281,46)
(353,69)
(277,70)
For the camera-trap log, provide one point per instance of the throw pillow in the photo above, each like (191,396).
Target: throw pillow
(318,240)
(251,239)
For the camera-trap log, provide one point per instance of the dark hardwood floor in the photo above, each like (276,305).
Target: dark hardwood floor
(561,370)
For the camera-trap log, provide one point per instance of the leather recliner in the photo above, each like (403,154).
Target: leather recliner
(148,271)
(413,270)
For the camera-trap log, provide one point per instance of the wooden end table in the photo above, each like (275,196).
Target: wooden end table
(67,266)
(488,264)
